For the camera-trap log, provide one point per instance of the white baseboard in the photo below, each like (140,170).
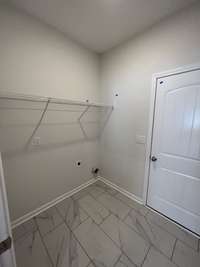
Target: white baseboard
(55,201)
(121,190)
(50,204)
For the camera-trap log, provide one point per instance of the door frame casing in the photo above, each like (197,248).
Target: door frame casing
(10,257)
(155,77)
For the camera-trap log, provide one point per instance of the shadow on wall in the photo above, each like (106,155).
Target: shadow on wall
(29,126)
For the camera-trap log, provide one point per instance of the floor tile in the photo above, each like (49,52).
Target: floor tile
(121,237)
(97,244)
(111,191)
(133,204)
(82,193)
(64,249)
(30,251)
(124,262)
(71,212)
(107,188)
(152,233)
(185,256)
(174,229)
(101,184)
(96,191)
(128,240)
(114,205)
(48,220)
(27,227)
(156,259)
(93,208)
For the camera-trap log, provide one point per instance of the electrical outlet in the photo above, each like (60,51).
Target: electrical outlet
(36,141)
(78,163)
(140,139)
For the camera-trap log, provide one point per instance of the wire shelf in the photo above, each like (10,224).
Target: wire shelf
(24,117)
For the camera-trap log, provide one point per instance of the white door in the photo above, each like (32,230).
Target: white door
(174,181)
(7,258)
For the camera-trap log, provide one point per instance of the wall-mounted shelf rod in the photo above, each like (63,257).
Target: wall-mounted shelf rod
(24,97)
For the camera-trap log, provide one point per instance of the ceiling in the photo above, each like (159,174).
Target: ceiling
(101,24)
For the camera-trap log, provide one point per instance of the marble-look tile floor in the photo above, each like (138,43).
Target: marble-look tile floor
(100,227)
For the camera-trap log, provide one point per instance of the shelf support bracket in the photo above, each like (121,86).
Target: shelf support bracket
(79,120)
(38,124)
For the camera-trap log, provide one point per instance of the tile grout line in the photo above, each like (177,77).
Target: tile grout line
(117,260)
(64,219)
(54,228)
(108,208)
(173,255)
(107,190)
(160,252)
(146,255)
(122,252)
(90,263)
(68,227)
(138,233)
(89,194)
(96,199)
(125,202)
(173,235)
(193,248)
(23,235)
(84,210)
(43,242)
(85,251)
(150,243)
(112,213)
(103,219)
(99,225)
(174,247)
(78,224)
(72,230)
(112,195)
(127,215)
(160,226)
(98,194)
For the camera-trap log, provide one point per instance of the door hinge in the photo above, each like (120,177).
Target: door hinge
(5,245)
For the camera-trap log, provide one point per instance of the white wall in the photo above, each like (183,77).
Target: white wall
(127,70)
(38,60)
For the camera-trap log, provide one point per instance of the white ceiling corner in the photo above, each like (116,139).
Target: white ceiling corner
(101,24)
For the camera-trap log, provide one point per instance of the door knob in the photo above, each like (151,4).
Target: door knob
(153,158)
